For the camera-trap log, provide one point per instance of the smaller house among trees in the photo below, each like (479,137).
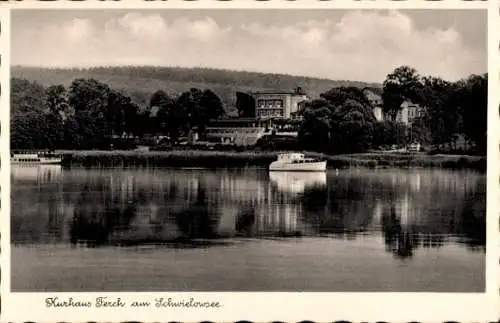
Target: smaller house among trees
(407,113)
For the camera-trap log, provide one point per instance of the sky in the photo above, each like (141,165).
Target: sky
(360,45)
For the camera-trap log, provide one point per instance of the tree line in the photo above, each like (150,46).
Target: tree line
(88,113)
(342,119)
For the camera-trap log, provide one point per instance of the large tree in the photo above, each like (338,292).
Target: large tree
(473,96)
(211,105)
(442,116)
(93,121)
(89,95)
(315,130)
(245,104)
(56,100)
(388,133)
(341,121)
(35,131)
(200,107)
(352,127)
(402,84)
(166,119)
(26,96)
(339,95)
(454,110)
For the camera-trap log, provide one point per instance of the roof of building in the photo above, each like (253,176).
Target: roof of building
(408,103)
(375,90)
(289,92)
(234,119)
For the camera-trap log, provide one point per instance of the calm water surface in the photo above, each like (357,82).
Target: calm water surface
(247,230)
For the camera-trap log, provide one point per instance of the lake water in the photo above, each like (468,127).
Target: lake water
(247,230)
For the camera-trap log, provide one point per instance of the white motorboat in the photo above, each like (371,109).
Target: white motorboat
(35,159)
(297,162)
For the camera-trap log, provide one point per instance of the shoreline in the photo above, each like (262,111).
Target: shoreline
(248,158)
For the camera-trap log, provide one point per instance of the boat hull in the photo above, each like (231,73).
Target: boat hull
(298,167)
(51,162)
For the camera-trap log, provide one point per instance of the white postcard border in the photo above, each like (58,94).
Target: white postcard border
(370,307)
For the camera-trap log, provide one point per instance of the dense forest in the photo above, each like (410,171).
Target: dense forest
(88,112)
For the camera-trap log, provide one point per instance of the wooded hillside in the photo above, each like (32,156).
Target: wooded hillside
(140,82)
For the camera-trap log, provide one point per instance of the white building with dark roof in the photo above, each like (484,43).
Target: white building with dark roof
(278,104)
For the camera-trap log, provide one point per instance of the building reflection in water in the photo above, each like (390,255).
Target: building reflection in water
(38,174)
(410,209)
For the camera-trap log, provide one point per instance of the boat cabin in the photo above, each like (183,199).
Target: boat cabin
(290,157)
(296,158)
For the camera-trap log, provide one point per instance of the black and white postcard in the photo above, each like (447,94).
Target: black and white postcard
(222,162)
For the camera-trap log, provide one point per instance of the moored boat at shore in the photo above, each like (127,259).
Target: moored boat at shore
(297,162)
(35,159)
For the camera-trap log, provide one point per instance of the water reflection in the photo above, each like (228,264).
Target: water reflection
(410,209)
(38,174)
(297,182)
(401,242)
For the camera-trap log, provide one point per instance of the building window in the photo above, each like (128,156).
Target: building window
(270,103)
(270,112)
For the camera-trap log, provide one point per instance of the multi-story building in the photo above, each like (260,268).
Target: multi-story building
(278,104)
(274,110)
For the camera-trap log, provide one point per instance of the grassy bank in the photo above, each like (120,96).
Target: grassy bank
(174,158)
(220,159)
